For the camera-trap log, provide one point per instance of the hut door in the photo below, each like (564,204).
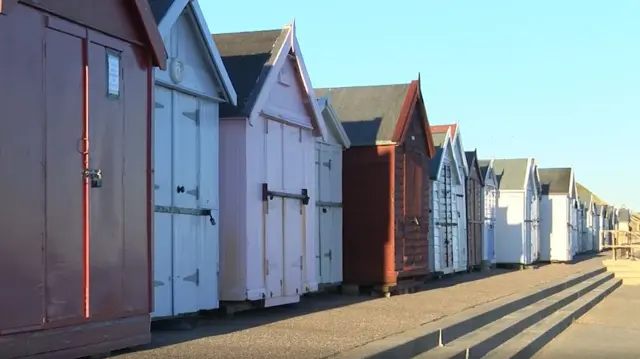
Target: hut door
(285,215)
(415,242)
(329,213)
(447,221)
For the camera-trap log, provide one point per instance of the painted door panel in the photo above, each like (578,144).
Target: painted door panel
(447,228)
(293,238)
(185,229)
(106,152)
(163,265)
(186,271)
(274,261)
(163,146)
(186,159)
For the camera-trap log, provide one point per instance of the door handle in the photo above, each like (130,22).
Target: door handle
(415,221)
(180,189)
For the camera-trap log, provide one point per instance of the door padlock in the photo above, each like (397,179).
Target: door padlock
(94,176)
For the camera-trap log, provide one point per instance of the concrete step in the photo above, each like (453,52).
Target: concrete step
(478,343)
(445,330)
(630,281)
(626,274)
(530,341)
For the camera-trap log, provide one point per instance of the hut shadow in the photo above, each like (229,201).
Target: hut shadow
(212,324)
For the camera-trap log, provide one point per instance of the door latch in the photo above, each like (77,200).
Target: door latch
(329,254)
(211,219)
(94,175)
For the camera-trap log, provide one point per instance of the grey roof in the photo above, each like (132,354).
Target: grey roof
(511,173)
(248,58)
(368,113)
(159,8)
(555,180)
(435,163)
(484,167)
(438,142)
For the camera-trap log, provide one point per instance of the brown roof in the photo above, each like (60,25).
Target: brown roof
(248,58)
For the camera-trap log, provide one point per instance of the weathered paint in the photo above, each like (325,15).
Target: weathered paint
(78,259)
(267,248)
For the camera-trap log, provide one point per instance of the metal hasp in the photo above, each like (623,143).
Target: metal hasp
(186,211)
(94,175)
(267,195)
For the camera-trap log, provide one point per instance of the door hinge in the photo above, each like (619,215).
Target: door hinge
(301,262)
(194,115)
(195,192)
(194,278)
(329,254)
(266,266)
(327,164)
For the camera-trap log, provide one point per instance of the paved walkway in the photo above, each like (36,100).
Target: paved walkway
(610,330)
(325,325)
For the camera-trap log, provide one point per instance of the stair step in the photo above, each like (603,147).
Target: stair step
(428,336)
(481,341)
(530,341)
(630,281)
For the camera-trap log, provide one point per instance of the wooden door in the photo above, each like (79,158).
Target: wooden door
(415,241)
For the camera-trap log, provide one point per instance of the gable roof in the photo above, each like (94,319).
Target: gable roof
(167,12)
(248,58)
(511,173)
(378,115)
(484,167)
(145,18)
(555,180)
(455,137)
(331,118)
(472,161)
(440,142)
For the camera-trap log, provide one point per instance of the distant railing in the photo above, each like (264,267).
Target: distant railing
(623,243)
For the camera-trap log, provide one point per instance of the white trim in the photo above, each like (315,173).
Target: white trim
(289,44)
(448,145)
(170,18)
(325,104)
(458,140)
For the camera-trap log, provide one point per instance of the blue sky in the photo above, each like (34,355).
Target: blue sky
(554,80)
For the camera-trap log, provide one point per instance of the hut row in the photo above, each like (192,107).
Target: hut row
(165,170)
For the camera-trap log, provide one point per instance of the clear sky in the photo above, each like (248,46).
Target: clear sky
(554,80)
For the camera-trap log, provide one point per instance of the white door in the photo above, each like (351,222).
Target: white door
(528,228)
(185,236)
(285,220)
(489,219)
(462,228)
(329,202)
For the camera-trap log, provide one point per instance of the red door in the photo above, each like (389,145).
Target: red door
(416,241)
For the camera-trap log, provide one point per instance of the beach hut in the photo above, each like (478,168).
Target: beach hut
(558,195)
(445,242)
(186,132)
(386,188)
(517,242)
(328,161)
(490,201)
(267,171)
(460,192)
(75,124)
